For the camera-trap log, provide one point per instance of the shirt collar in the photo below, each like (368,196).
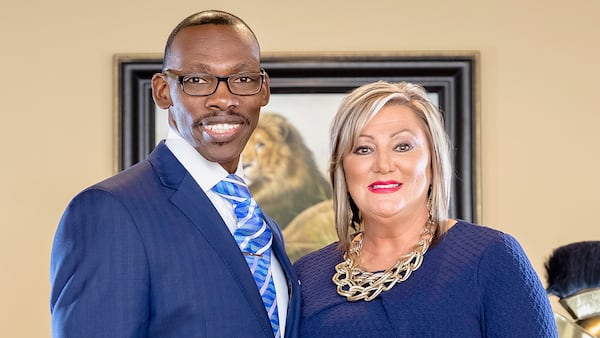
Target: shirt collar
(206,173)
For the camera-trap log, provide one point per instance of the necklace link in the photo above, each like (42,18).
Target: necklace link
(356,284)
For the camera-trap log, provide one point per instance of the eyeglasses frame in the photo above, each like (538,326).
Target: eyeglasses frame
(220,79)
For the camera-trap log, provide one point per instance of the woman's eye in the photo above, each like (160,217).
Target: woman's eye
(362,150)
(402,147)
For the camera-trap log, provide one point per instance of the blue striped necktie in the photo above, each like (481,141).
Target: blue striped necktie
(254,238)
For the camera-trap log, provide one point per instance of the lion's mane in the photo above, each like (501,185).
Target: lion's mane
(281,171)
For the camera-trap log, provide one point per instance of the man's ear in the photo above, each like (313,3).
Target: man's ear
(266,91)
(160,91)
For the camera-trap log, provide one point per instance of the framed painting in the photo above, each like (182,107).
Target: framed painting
(293,132)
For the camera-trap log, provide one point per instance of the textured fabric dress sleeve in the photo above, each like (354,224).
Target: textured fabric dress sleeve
(514,302)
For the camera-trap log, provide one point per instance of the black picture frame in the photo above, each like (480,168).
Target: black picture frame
(452,76)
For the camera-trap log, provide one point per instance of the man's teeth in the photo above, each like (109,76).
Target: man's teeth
(221,127)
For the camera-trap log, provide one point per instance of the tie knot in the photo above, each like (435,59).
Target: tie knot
(233,188)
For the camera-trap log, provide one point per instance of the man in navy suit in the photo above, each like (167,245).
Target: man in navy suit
(149,252)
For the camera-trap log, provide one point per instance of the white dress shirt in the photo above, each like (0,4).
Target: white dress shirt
(207,174)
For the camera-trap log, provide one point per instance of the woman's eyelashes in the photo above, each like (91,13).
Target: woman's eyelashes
(399,147)
(403,147)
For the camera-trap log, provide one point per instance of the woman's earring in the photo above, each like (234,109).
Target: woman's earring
(430,203)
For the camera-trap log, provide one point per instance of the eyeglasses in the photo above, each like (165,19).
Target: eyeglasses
(199,84)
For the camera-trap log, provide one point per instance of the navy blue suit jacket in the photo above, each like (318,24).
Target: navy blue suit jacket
(145,254)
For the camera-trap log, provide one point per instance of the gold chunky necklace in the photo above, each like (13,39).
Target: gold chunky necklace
(355,284)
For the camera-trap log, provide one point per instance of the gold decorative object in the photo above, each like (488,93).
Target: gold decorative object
(355,284)
(584,307)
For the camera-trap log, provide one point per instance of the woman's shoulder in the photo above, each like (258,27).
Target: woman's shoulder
(314,272)
(473,231)
(477,238)
(324,257)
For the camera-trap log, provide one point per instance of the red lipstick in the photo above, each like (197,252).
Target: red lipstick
(385,187)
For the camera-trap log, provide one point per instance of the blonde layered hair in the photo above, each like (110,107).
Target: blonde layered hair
(356,110)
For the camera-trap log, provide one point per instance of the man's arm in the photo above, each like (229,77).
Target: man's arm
(99,271)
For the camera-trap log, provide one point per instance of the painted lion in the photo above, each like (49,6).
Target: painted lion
(280,170)
(312,229)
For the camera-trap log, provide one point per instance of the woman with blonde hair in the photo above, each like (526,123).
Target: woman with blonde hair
(402,267)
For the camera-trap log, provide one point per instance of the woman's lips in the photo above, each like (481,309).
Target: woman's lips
(386,187)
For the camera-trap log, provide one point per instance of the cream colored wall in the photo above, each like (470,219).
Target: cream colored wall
(539,115)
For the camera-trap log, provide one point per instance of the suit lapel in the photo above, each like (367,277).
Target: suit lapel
(293,310)
(189,198)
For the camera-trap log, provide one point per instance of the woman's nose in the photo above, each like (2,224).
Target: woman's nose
(383,162)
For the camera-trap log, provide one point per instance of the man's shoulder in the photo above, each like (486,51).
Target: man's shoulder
(159,162)
(132,176)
